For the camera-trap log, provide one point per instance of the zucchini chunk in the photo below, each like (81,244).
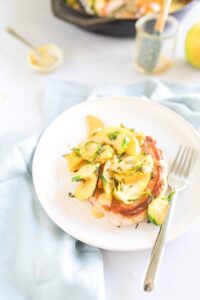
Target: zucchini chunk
(106,153)
(90,150)
(157,210)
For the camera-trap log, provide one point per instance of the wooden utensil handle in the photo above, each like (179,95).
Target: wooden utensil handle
(160,23)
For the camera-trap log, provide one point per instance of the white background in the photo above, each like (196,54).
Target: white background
(94,59)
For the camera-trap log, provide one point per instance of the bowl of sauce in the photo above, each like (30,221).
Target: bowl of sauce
(46,59)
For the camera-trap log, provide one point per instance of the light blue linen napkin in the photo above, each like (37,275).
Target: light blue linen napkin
(183,99)
(37,259)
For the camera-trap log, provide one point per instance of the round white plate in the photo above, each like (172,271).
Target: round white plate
(52,180)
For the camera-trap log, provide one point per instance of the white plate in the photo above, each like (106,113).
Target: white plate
(53,181)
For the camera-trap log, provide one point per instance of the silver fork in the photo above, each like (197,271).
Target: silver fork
(177,179)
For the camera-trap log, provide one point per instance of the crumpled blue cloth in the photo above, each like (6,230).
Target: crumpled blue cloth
(37,259)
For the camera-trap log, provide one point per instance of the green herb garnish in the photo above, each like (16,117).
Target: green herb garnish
(146,193)
(71,195)
(77,151)
(131,200)
(132,130)
(138,168)
(76,178)
(116,182)
(120,187)
(120,157)
(104,181)
(170,196)
(98,152)
(125,142)
(152,220)
(113,135)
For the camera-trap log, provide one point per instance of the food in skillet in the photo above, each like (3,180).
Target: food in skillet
(121,172)
(123,9)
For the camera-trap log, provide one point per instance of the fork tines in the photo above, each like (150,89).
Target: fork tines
(182,162)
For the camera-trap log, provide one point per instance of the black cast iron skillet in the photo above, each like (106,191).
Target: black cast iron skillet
(105,26)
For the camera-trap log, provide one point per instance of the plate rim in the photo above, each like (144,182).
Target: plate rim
(111,98)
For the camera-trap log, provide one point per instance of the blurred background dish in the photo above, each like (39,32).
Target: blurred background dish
(113,17)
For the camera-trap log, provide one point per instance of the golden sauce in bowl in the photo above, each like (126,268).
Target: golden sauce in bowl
(47,58)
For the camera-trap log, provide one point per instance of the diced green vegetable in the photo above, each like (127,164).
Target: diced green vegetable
(129,164)
(76,178)
(157,210)
(121,143)
(122,140)
(105,154)
(170,196)
(90,150)
(113,135)
(77,151)
(152,220)
(104,182)
(125,144)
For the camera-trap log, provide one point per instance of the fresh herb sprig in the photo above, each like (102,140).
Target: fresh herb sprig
(103,179)
(113,135)
(77,178)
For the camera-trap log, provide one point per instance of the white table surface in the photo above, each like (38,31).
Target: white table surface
(90,58)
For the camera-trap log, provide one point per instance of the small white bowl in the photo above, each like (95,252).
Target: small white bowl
(51,58)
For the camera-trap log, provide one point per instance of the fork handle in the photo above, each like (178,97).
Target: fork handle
(157,252)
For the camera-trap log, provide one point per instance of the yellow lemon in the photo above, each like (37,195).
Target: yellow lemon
(192,45)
